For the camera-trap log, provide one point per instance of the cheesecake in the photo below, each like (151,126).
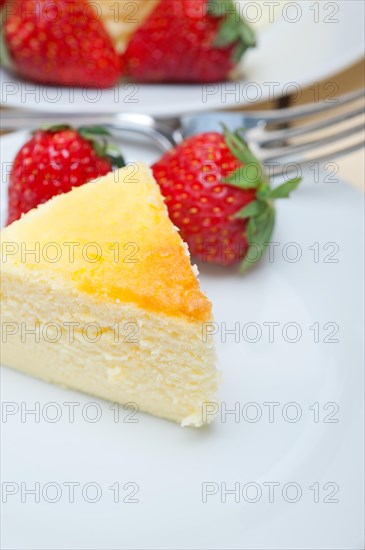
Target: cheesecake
(122,18)
(98,295)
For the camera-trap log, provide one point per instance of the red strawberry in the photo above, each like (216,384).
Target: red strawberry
(188,41)
(218,195)
(55,160)
(59,42)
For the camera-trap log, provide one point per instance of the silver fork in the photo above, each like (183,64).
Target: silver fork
(283,148)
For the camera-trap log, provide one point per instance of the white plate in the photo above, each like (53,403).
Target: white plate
(170,464)
(305,42)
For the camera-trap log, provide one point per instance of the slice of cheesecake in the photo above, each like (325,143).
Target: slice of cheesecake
(122,18)
(98,294)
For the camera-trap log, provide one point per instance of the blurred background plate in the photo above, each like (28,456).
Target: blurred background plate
(317,381)
(305,42)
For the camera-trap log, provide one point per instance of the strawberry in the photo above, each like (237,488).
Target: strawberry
(59,42)
(53,161)
(188,41)
(219,197)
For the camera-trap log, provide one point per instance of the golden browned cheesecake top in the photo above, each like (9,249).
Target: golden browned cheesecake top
(111,238)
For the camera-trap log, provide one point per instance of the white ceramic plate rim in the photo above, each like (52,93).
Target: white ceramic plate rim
(289,57)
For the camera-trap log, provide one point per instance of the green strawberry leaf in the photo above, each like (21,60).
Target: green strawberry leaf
(117,162)
(239,147)
(5,60)
(113,154)
(233,28)
(112,149)
(259,231)
(254,208)
(228,33)
(283,191)
(96,135)
(247,35)
(93,131)
(249,176)
(240,178)
(54,127)
(238,52)
(99,147)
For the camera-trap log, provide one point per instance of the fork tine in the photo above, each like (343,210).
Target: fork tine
(294,113)
(281,169)
(289,150)
(266,138)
